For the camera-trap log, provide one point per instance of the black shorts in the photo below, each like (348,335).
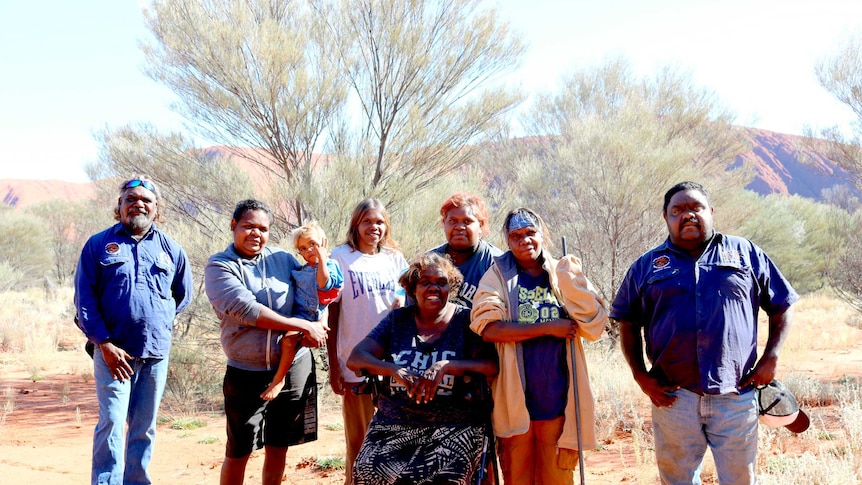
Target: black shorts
(289,419)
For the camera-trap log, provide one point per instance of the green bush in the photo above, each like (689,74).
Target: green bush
(194,378)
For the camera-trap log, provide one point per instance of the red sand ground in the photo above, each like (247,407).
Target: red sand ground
(47,437)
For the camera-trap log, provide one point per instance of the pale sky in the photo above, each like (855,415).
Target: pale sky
(69,68)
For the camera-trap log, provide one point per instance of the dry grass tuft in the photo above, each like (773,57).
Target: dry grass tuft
(34,326)
(821,323)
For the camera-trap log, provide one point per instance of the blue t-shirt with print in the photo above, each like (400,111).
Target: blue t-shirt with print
(545,367)
(473,269)
(397,334)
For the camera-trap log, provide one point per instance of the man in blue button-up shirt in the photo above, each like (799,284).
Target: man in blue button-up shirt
(130,283)
(694,301)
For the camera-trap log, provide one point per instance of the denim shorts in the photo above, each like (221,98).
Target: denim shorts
(289,419)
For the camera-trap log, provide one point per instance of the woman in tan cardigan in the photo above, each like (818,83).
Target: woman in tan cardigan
(529,305)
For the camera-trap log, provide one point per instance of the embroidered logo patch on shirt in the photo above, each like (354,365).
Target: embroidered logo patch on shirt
(165,260)
(729,255)
(661,262)
(112,248)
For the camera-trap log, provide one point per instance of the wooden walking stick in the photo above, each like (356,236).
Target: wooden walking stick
(577,400)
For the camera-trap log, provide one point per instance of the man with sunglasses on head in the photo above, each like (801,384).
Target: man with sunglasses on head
(131,281)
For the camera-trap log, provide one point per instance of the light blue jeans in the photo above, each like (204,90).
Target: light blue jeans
(727,423)
(117,460)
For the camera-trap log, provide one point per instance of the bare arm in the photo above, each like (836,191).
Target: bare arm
(631,341)
(368,356)
(764,370)
(322,270)
(506,331)
(317,332)
(486,367)
(336,380)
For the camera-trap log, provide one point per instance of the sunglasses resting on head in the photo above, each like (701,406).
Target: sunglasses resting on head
(143,183)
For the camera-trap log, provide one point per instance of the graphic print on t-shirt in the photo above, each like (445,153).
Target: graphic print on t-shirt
(369,283)
(545,368)
(418,359)
(537,304)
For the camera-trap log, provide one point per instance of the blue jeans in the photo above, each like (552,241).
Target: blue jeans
(117,460)
(727,423)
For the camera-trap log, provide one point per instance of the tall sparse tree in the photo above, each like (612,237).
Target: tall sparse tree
(250,73)
(397,87)
(845,268)
(199,191)
(418,71)
(840,73)
(605,147)
(70,224)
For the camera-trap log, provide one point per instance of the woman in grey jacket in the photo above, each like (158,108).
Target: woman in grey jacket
(250,287)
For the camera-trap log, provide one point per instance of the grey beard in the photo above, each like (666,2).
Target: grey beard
(139,223)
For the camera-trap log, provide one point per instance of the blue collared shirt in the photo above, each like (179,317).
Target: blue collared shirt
(700,315)
(130,291)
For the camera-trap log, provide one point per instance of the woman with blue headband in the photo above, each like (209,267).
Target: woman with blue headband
(530,305)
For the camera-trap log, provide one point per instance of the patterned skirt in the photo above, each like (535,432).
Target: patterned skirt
(419,454)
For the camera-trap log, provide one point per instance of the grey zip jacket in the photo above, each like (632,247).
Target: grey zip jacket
(237,289)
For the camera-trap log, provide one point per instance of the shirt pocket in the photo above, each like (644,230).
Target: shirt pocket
(161,277)
(118,270)
(664,283)
(732,281)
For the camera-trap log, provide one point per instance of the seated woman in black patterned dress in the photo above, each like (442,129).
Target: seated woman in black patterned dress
(431,418)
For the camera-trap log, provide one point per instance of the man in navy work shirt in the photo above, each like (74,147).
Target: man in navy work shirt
(130,283)
(693,301)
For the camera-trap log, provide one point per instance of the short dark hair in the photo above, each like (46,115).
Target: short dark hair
(420,263)
(250,205)
(687,185)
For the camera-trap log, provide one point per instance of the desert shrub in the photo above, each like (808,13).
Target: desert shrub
(810,392)
(622,410)
(25,247)
(851,417)
(9,276)
(619,400)
(194,378)
(32,326)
